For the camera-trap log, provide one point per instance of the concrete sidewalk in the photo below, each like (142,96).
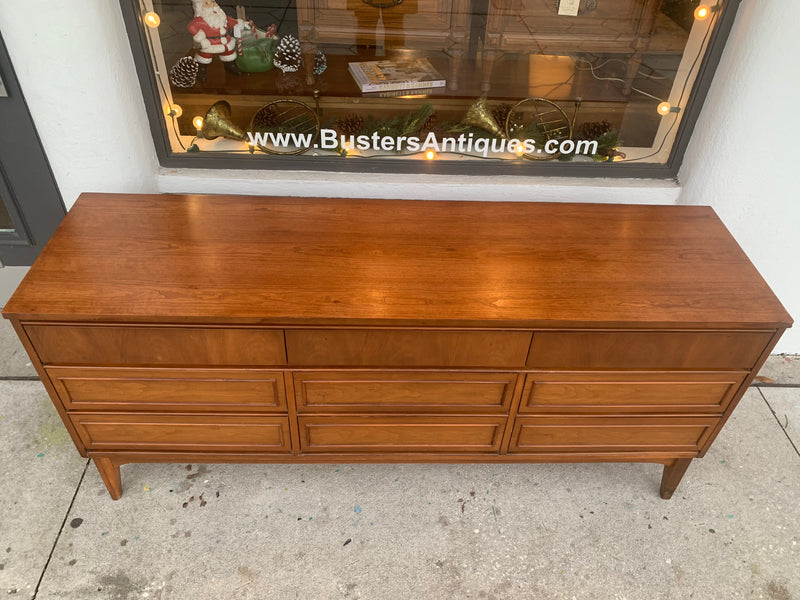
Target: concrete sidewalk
(318,532)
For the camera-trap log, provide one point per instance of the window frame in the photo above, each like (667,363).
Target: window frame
(137,32)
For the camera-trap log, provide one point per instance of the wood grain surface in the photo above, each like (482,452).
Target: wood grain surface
(173,258)
(399,391)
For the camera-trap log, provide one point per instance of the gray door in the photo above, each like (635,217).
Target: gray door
(30,204)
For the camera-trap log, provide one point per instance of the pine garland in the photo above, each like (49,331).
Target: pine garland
(397,126)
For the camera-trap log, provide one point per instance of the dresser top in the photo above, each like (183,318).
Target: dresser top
(300,261)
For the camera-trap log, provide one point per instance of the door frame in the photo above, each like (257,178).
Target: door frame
(27,185)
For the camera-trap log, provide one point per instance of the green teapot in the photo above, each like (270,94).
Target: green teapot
(257,55)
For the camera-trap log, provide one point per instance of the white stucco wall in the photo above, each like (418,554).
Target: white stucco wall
(743,157)
(74,64)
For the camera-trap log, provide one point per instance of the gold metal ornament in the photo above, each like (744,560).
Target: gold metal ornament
(288,117)
(219,123)
(548,118)
(479,115)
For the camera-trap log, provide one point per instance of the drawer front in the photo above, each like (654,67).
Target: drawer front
(129,345)
(386,391)
(643,350)
(445,435)
(610,434)
(175,390)
(643,392)
(199,433)
(401,348)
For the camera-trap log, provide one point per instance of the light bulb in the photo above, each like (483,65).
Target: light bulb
(151,19)
(198,122)
(520,150)
(664,108)
(701,12)
(430,155)
(174,111)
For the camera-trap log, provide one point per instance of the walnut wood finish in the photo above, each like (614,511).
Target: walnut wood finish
(392,391)
(219,433)
(305,261)
(646,350)
(109,472)
(610,434)
(673,473)
(232,329)
(177,390)
(401,434)
(69,344)
(620,392)
(345,347)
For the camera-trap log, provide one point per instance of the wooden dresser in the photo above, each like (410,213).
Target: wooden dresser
(243,329)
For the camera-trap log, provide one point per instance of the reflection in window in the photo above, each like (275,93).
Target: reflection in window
(462,80)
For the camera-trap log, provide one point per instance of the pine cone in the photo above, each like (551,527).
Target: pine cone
(264,119)
(183,74)
(428,126)
(320,63)
(349,125)
(593,130)
(287,56)
(500,114)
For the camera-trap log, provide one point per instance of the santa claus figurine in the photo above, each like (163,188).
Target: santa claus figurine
(214,33)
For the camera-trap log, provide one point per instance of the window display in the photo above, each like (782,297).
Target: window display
(476,86)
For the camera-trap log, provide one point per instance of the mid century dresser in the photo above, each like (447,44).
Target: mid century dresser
(173,328)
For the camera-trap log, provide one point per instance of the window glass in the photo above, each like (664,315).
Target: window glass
(5,218)
(461,81)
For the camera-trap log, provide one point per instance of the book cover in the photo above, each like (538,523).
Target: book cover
(388,75)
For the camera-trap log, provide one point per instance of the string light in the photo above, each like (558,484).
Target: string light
(430,155)
(701,12)
(520,150)
(174,111)
(198,122)
(665,108)
(151,19)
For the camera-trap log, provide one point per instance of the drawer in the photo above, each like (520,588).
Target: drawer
(626,392)
(144,345)
(386,391)
(176,390)
(445,435)
(402,348)
(643,350)
(179,433)
(546,434)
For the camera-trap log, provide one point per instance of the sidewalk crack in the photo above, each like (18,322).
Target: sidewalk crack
(774,414)
(61,529)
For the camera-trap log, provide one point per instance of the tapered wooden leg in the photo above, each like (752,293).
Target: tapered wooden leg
(109,471)
(672,476)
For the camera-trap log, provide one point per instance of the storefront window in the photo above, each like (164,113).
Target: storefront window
(479,85)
